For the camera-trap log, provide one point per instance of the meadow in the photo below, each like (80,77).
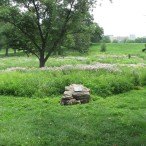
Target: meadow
(32,115)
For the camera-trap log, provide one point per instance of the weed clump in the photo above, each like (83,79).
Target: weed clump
(49,83)
(103,47)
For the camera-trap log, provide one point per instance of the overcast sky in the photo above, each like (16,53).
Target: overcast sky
(122,17)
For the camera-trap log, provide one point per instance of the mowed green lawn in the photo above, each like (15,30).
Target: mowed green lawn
(115,121)
(120,48)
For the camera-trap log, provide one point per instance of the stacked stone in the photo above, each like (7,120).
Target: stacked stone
(75,94)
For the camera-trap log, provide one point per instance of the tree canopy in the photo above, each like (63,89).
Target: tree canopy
(42,25)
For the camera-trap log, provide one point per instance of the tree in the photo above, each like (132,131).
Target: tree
(80,40)
(143,50)
(106,39)
(40,26)
(97,33)
(3,43)
(14,39)
(7,37)
(115,41)
(140,40)
(87,33)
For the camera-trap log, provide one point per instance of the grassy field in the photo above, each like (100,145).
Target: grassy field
(116,53)
(30,112)
(114,121)
(120,48)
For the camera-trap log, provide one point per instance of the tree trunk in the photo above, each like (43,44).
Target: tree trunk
(15,51)
(42,60)
(7,52)
(41,63)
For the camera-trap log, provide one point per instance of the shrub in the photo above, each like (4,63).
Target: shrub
(112,84)
(121,85)
(48,83)
(103,47)
(136,78)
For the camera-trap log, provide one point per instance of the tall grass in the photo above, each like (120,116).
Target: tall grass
(46,83)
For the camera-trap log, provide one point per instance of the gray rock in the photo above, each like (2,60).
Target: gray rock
(75,94)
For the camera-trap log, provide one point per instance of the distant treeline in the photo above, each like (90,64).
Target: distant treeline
(137,40)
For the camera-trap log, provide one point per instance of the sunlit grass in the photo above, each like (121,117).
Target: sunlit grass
(116,53)
(117,120)
(119,48)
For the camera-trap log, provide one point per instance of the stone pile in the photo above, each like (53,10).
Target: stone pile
(75,94)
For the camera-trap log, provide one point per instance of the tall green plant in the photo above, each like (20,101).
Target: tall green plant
(103,47)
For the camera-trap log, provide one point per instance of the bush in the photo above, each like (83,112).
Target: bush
(110,84)
(103,47)
(48,83)
(136,79)
(121,85)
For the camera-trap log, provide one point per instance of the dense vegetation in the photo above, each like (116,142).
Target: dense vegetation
(108,119)
(62,36)
(44,27)
(25,79)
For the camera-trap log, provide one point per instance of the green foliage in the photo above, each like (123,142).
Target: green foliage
(106,39)
(103,47)
(86,34)
(117,120)
(97,33)
(43,25)
(140,40)
(42,84)
(107,85)
(121,84)
(34,82)
(115,41)
(130,41)
(136,79)
(82,42)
